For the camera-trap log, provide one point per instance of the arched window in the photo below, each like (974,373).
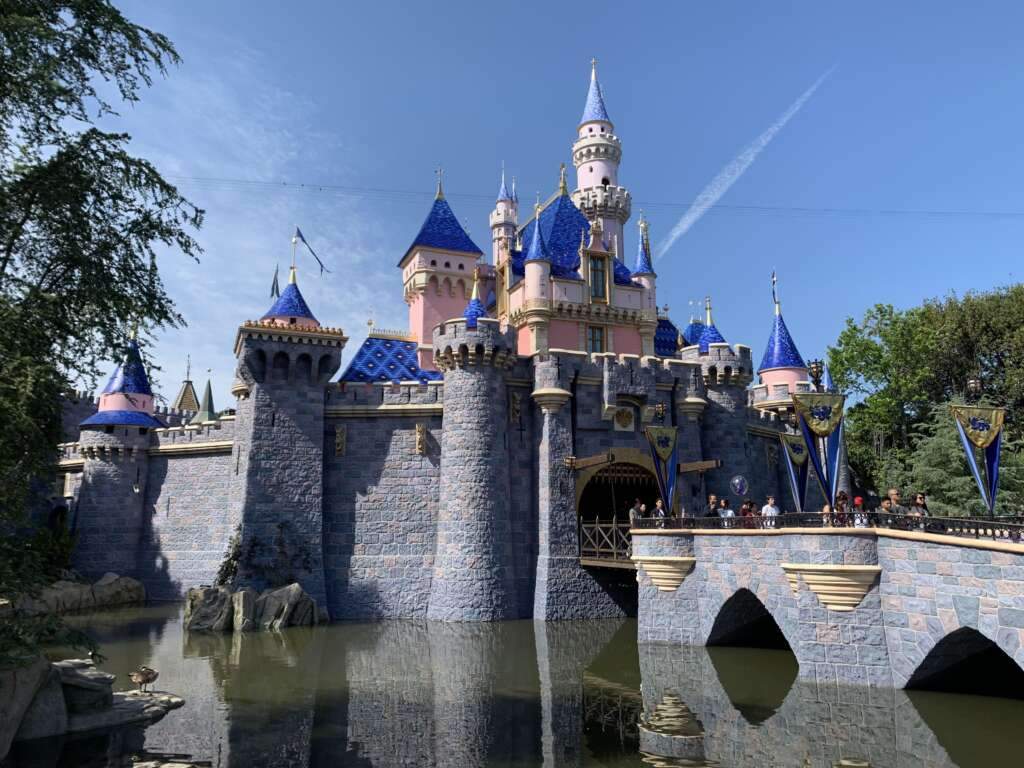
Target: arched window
(605,181)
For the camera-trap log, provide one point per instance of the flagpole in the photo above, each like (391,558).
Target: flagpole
(295,243)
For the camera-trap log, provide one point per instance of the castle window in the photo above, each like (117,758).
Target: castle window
(462,266)
(591,129)
(605,182)
(602,129)
(433,262)
(598,279)
(447,265)
(595,338)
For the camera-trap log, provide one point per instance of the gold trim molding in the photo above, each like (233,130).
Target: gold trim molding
(838,587)
(666,572)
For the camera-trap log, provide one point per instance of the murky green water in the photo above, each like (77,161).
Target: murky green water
(514,694)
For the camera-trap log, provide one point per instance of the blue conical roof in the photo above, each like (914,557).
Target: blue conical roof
(442,230)
(537,251)
(709,336)
(475,308)
(129,378)
(781,351)
(666,338)
(594,109)
(503,193)
(643,255)
(290,303)
(692,332)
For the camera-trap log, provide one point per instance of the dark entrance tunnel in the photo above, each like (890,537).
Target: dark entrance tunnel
(965,661)
(613,489)
(744,622)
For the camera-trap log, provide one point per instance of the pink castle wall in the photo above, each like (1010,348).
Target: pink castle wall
(119,402)
(563,334)
(788,376)
(627,341)
(433,307)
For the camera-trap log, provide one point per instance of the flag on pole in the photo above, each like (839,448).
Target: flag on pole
(775,298)
(298,238)
(275,288)
(981,427)
(665,456)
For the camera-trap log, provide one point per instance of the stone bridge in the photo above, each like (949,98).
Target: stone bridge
(859,606)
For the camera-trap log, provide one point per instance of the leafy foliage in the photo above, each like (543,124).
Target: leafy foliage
(904,367)
(81,223)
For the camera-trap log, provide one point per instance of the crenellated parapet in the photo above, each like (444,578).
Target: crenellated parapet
(722,364)
(458,346)
(777,395)
(606,202)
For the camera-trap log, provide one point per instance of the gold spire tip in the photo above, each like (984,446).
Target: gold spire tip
(563,187)
(440,186)
(476,284)
(707,311)
(291,275)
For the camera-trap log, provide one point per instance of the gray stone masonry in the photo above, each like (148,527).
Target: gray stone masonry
(474,569)
(925,592)
(281,435)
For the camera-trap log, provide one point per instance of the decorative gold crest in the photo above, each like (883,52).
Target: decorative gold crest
(421,439)
(982,425)
(340,439)
(663,439)
(623,419)
(795,447)
(821,410)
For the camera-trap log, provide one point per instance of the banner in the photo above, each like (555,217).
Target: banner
(821,410)
(981,427)
(796,467)
(664,454)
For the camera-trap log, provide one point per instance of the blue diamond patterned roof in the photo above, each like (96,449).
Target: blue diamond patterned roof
(538,250)
(622,274)
(129,377)
(290,304)
(442,230)
(666,338)
(709,336)
(474,310)
(692,332)
(781,351)
(387,360)
(594,108)
(122,419)
(562,226)
(643,258)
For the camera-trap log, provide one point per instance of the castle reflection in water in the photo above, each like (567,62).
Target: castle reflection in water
(525,694)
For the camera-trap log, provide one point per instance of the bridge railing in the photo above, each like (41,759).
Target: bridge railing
(605,540)
(1003,528)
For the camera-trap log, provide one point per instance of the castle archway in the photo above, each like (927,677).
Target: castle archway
(743,621)
(965,661)
(611,490)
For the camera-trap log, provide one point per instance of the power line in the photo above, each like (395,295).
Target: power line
(240,185)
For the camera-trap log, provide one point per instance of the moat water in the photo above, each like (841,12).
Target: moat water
(385,694)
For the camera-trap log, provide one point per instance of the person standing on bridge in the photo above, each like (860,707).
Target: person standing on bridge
(894,501)
(634,512)
(725,511)
(769,512)
(659,513)
(712,506)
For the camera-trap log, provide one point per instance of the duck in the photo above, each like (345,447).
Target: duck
(143,676)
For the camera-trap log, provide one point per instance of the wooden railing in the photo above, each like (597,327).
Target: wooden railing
(605,543)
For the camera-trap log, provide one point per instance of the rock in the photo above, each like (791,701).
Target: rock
(118,590)
(209,609)
(324,616)
(86,689)
(18,688)
(285,607)
(126,708)
(48,714)
(244,601)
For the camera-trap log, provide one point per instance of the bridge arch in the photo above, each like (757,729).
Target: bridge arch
(966,661)
(744,621)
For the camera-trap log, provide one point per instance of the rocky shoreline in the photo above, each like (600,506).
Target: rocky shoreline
(69,595)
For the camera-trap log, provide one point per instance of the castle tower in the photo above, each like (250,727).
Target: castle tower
(206,411)
(437,273)
(285,361)
(187,399)
(504,219)
(596,155)
(727,370)
(782,370)
(115,442)
(537,266)
(474,576)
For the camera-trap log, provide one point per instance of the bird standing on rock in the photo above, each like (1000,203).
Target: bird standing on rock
(143,676)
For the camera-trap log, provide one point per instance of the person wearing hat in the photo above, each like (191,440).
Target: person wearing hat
(860,517)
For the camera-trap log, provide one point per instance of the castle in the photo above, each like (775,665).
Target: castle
(445,472)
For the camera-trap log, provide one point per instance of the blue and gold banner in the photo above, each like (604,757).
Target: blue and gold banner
(982,427)
(664,453)
(822,411)
(796,467)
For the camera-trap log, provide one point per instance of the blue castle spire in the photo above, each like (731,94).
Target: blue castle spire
(710,334)
(594,108)
(538,250)
(643,255)
(503,193)
(129,378)
(475,309)
(441,230)
(781,351)
(291,304)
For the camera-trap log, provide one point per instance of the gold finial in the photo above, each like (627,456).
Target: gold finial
(707,311)
(642,223)
(476,285)
(291,275)
(536,207)
(593,69)
(440,178)
(563,188)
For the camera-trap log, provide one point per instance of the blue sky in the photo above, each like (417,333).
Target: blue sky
(921,113)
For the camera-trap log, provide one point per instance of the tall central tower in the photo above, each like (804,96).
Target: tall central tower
(596,154)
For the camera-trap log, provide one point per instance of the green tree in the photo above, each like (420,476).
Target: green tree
(81,220)
(902,368)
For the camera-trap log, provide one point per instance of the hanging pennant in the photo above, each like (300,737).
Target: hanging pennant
(796,467)
(821,410)
(664,452)
(981,427)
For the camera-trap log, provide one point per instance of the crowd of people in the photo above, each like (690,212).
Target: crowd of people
(845,512)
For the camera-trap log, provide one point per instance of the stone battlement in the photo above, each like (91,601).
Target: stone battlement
(760,393)
(456,345)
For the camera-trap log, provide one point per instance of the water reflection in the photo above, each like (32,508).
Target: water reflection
(385,694)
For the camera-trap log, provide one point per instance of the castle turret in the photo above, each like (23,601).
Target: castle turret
(537,266)
(643,270)
(596,154)
(114,441)
(437,274)
(285,361)
(206,410)
(474,576)
(782,370)
(504,219)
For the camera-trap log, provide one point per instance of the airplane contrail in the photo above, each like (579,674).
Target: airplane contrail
(731,173)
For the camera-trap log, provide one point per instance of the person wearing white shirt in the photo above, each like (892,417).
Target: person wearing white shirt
(770,511)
